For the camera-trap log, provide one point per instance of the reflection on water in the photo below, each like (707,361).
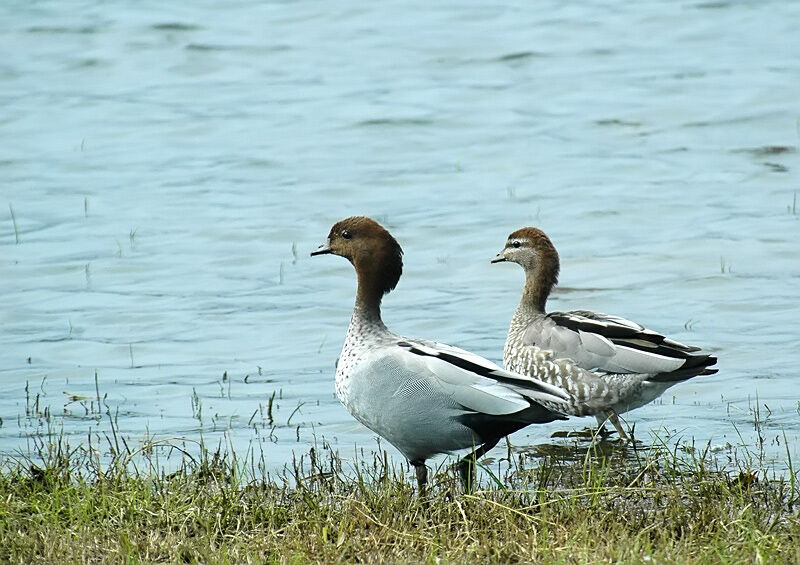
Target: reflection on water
(167,171)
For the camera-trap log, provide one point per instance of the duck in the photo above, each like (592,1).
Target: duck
(625,365)
(425,398)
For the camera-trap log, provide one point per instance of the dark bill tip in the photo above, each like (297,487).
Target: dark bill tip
(322,249)
(498,259)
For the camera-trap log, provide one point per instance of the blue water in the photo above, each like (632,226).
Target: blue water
(170,168)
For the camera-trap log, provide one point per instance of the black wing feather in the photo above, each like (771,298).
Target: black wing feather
(468,365)
(637,337)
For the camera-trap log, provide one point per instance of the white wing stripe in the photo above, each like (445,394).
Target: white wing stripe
(632,360)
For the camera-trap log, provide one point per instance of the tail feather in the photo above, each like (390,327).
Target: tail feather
(695,365)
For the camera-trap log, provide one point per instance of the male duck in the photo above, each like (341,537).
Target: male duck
(425,398)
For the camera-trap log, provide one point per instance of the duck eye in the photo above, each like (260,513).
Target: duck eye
(346,234)
(516,244)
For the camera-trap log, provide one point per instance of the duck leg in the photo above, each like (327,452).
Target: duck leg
(466,466)
(422,476)
(614,419)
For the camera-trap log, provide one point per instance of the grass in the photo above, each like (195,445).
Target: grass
(14,222)
(601,504)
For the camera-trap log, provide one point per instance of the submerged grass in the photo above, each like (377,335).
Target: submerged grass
(610,504)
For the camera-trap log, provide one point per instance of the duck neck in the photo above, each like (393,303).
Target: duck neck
(531,306)
(539,282)
(367,309)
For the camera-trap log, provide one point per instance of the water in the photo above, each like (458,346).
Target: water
(170,168)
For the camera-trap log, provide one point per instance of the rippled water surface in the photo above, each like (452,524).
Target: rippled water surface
(165,172)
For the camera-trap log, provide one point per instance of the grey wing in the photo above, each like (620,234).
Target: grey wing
(463,373)
(611,344)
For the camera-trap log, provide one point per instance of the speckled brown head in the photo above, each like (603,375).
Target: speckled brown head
(533,250)
(372,250)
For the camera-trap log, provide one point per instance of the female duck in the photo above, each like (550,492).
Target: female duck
(627,365)
(425,398)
